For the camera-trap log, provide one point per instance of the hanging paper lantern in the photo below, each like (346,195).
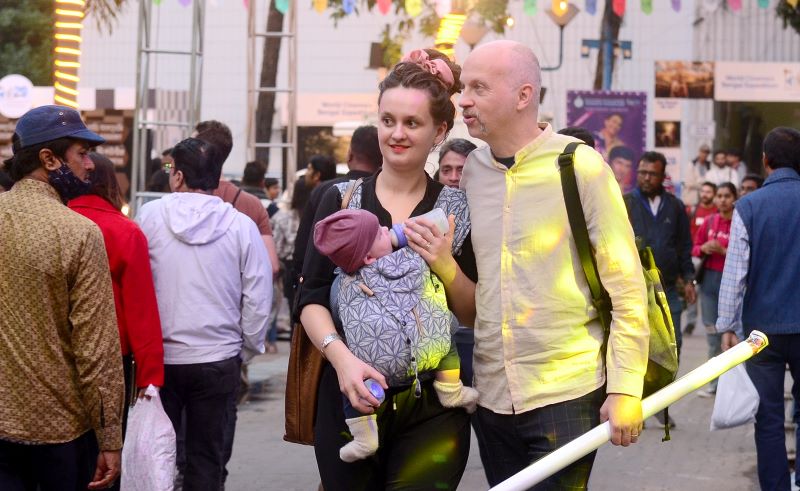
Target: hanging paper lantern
(443,7)
(529,7)
(591,7)
(762,4)
(559,7)
(735,5)
(618,7)
(282,6)
(676,5)
(793,3)
(647,6)
(156,2)
(320,5)
(384,6)
(347,6)
(413,7)
(185,3)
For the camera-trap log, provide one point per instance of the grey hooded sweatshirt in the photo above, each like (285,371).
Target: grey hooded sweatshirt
(212,275)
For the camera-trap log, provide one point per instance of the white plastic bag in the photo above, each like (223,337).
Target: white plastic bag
(737,400)
(148,455)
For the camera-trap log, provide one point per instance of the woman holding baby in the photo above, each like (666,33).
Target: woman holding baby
(423,445)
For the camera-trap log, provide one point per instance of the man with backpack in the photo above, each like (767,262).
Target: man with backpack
(538,338)
(659,221)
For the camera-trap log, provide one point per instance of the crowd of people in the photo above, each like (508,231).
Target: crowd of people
(481,320)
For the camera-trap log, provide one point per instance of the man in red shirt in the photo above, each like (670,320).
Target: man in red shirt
(219,134)
(704,208)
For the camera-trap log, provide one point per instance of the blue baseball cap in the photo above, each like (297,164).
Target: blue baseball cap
(48,123)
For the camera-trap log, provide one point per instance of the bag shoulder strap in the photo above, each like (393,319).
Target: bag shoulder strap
(580,232)
(348,193)
(710,225)
(715,224)
(235,198)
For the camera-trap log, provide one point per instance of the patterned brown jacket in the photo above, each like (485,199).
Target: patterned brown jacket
(60,358)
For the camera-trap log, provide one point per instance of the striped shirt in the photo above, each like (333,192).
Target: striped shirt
(734,279)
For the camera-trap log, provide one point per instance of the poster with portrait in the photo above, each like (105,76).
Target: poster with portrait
(668,134)
(618,122)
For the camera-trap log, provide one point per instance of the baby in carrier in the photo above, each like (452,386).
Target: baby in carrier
(394,315)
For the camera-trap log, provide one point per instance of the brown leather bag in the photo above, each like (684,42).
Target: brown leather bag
(304,373)
(302,384)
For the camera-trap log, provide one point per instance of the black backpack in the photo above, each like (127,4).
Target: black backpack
(662,363)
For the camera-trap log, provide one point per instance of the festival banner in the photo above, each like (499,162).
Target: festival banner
(685,79)
(762,82)
(618,122)
(329,108)
(384,6)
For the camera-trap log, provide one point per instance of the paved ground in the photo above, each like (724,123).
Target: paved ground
(695,459)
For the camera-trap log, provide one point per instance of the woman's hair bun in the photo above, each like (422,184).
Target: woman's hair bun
(432,71)
(437,64)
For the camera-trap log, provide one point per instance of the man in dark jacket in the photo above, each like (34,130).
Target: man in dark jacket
(659,220)
(363,159)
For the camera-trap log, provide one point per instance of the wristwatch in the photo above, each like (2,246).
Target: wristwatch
(329,339)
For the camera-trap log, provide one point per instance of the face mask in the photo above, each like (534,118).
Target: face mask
(67,183)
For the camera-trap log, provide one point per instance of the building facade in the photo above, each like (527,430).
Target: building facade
(335,84)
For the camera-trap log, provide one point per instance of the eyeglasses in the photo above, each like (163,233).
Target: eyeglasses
(647,173)
(168,167)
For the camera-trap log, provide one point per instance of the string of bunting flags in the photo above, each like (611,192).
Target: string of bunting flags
(414,7)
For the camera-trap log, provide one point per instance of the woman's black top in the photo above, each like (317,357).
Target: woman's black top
(318,270)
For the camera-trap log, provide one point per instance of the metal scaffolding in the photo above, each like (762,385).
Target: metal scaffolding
(289,33)
(146,50)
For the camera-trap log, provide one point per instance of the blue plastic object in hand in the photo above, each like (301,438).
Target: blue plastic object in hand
(375,389)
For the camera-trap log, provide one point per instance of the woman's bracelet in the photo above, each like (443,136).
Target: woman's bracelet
(328,340)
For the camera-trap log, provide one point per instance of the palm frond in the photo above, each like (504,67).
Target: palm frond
(104,12)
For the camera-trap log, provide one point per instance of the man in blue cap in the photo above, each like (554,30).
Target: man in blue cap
(61,385)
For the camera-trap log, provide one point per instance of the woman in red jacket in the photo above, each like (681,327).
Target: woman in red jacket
(711,242)
(134,294)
